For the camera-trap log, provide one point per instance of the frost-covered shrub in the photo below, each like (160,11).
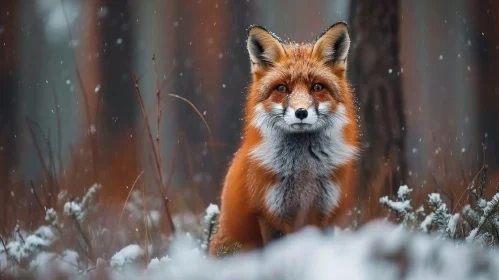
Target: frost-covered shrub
(444,222)
(67,243)
(486,217)
(402,206)
(210,225)
(478,221)
(61,242)
(46,263)
(126,256)
(23,250)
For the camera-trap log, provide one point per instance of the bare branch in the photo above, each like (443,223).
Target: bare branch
(46,171)
(123,209)
(89,252)
(146,216)
(156,157)
(7,252)
(36,196)
(59,128)
(158,104)
(18,231)
(197,111)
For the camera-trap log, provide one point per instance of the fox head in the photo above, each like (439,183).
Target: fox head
(299,88)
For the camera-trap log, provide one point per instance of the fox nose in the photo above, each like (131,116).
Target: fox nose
(301,113)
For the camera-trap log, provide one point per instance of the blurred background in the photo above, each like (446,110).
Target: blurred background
(76,77)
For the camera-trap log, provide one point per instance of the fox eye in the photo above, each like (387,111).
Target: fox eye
(317,87)
(282,88)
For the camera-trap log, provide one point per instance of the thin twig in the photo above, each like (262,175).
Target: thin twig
(90,251)
(471,184)
(146,120)
(7,254)
(52,165)
(168,214)
(156,158)
(46,171)
(197,111)
(124,206)
(145,223)
(59,129)
(18,231)
(63,260)
(159,111)
(4,246)
(86,270)
(51,172)
(158,142)
(150,160)
(153,226)
(158,94)
(167,77)
(172,168)
(36,196)
(204,121)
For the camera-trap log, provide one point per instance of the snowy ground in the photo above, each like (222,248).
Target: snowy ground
(377,251)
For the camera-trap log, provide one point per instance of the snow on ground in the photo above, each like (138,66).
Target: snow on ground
(127,255)
(379,250)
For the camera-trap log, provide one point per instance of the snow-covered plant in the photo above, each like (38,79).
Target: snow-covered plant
(486,218)
(45,263)
(210,225)
(489,220)
(402,206)
(157,264)
(438,220)
(52,217)
(63,239)
(482,215)
(22,251)
(126,256)
(439,217)
(478,221)
(88,205)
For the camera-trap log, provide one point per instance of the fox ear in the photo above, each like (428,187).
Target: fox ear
(332,46)
(264,48)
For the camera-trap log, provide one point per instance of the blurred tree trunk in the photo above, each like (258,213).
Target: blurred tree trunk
(233,92)
(118,106)
(486,17)
(374,70)
(89,66)
(8,101)
(202,34)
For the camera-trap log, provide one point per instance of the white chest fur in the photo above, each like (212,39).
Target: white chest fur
(304,163)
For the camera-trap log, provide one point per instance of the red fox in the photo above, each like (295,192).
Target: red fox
(295,165)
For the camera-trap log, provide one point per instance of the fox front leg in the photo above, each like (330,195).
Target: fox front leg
(235,234)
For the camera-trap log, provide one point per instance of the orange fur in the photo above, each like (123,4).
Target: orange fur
(244,216)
